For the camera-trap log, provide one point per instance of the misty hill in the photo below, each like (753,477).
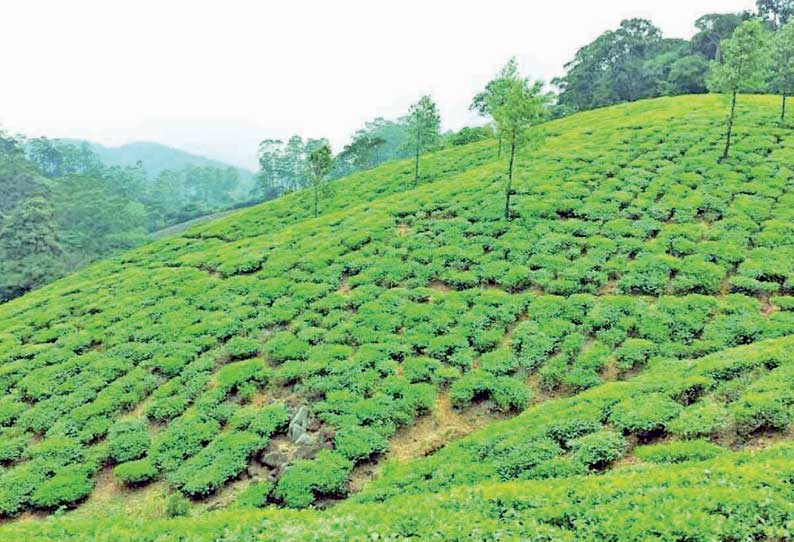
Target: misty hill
(156,158)
(613,363)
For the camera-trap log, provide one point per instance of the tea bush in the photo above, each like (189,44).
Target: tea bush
(136,472)
(677,452)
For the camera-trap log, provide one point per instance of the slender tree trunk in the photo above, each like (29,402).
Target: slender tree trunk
(509,189)
(499,148)
(730,128)
(416,164)
(783,108)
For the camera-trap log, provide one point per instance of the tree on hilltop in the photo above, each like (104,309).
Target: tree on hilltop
(783,64)
(320,163)
(741,70)
(524,105)
(425,122)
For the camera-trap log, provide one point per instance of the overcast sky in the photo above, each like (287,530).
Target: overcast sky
(217,77)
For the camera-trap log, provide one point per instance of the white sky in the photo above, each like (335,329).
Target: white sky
(216,77)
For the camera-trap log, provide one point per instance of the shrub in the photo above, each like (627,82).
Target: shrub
(356,442)
(284,346)
(242,348)
(56,451)
(531,345)
(564,432)
(421,369)
(269,420)
(68,486)
(520,458)
(498,362)
(644,415)
(136,472)
(307,479)
(183,438)
(506,392)
(234,375)
(10,409)
(760,411)
(223,459)
(678,452)
(703,419)
(176,506)
(597,450)
(128,440)
(17,485)
(633,353)
(255,495)
(556,467)
(11,448)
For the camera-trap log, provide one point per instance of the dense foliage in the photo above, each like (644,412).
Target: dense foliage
(63,208)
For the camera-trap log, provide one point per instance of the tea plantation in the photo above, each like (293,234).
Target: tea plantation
(631,330)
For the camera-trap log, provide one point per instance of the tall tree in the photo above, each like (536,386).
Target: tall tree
(783,64)
(495,94)
(712,29)
(30,252)
(524,105)
(776,12)
(743,61)
(611,69)
(424,121)
(320,162)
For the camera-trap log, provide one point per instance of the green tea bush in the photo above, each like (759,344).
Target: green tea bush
(222,460)
(644,415)
(183,438)
(241,348)
(284,346)
(357,443)
(305,480)
(515,461)
(137,472)
(128,440)
(597,450)
(67,487)
(677,452)
(255,495)
(633,353)
(506,393)
(703,419)
(760,411)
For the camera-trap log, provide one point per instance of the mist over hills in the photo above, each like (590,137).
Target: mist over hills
(155,157)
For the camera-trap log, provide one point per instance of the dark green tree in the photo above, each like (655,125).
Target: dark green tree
(741,70)
(776,12)
(712,29)
(30,252)
(611,69)
(424,122)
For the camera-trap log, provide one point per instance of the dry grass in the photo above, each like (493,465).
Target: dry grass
(442,426)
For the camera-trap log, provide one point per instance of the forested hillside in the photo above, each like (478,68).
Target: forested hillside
(600,351)
(62,206)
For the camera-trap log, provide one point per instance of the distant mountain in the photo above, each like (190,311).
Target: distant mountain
(156,157)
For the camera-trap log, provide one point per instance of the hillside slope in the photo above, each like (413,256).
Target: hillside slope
(637,311)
